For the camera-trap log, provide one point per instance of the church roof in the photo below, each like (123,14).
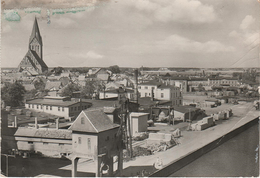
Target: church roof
(95,121)
(36,32)
(40,61)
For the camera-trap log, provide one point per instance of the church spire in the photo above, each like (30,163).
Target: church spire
(36,32)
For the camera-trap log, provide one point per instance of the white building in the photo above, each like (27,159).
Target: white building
(120,92)
(161,91)
(60,106)
(138,122)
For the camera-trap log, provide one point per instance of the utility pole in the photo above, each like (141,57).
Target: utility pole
(189,126)
(6,155)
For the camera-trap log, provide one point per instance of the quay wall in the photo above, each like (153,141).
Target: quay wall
(185,160)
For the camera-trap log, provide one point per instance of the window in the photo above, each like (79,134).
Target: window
(75,108)
(79,140)
(47,107)
(58,108)
(145,87)
(33,106)
(50,107)
(30,142)
(29,106)
(37,106)
(89,143)
(161,95)
(71,108)
(85,107)
(145,94)
(152,88)
(63,109)
(78,107)
(82,120)
(41,106)
(45,143)
(107,138)
(139,87)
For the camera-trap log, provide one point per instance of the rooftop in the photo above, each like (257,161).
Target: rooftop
(43,133)
(137,114)
(53,102)
(96,121)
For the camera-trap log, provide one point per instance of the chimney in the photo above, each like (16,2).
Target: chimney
(36,123)
(15,122)
(57,123)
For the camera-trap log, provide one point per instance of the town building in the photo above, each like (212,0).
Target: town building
(138,122)
(95,137)
(32,63)
(48,141)
(60,106)
(160,91)
(117,93)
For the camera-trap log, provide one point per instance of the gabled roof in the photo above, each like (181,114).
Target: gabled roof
(151,82)
(185,109)
(43,133)
(35,32)
(52,85)
(40,61)
(95,121)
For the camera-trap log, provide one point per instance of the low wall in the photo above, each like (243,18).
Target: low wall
(185,160)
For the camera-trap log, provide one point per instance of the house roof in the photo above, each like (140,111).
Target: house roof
(43,133)
(53,102)
(185,109)
(151,82)
(146,101)
(116,91)
(109,109)
(95,121)
(52,84)
(28,87)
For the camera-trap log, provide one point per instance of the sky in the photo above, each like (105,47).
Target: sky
(135,33)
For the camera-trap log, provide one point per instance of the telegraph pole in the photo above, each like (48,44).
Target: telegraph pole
(189,126)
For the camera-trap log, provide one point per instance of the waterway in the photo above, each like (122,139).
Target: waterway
(234,158)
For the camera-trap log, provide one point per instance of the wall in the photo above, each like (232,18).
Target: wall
(180,163)
(143,90)
(54,111)
(48,147)
(83,147)
(108,140)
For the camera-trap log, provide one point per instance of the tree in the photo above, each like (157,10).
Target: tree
(90,88)
(39,85)
(114,69)
(58,70)
(13,94)
(69,89)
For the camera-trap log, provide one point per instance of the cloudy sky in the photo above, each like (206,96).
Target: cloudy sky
(134,33)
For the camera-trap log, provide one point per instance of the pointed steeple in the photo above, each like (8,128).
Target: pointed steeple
(36,32)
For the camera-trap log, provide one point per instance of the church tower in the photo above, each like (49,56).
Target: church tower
(33,63)
(35,41)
